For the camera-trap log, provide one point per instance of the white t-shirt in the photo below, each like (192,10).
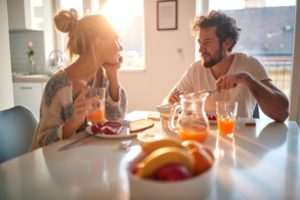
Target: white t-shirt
(197,77)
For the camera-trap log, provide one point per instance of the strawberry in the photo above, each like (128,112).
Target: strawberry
(108,130)
(96,128)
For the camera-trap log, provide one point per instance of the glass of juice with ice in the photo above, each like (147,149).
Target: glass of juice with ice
(96,106)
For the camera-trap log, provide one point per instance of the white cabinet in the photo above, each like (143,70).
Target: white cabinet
(25,14)
(29,95)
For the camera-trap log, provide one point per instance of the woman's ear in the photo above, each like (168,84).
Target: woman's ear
(98,42)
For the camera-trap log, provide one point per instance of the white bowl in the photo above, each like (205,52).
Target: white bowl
(197,187)
(164,109)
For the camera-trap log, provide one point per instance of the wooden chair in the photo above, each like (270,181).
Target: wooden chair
(17,126)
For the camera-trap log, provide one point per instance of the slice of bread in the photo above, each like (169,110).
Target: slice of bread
(155,116)
(140,125)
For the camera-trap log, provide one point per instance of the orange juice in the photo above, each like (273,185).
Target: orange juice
(96,116)
(193,132)
(226,126)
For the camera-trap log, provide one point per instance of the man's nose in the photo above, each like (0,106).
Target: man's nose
(201,49)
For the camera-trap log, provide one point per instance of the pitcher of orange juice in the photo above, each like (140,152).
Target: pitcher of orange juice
(188,118)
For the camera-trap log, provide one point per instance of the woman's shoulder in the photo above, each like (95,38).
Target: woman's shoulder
(58,79)
(56,82)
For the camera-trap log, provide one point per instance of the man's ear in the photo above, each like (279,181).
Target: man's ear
(227,43)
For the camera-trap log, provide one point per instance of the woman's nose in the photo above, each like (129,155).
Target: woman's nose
(120,46)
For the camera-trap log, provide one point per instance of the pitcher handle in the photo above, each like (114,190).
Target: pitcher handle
(174,119)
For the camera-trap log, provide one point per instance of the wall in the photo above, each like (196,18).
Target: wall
(18,48)
(38,28)
(164,65)
(6,88)
(295,98)
(48,31)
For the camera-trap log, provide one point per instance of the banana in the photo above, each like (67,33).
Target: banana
(156,144)
(162,157)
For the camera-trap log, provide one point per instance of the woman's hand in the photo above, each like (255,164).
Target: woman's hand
(79,114)
(79,106)
(112,76)
(111,69)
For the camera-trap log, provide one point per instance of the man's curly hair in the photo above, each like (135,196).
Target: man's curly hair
(226,26)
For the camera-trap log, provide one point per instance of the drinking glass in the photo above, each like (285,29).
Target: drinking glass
(96,106)
(165,116)
(226,116)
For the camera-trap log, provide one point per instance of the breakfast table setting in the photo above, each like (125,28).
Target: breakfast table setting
(260,161)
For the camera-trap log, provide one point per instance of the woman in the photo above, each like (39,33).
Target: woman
(96,46)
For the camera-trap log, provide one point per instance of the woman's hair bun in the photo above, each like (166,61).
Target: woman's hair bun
(66,20)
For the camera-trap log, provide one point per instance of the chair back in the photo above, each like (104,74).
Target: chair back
(17,126)
(256,111)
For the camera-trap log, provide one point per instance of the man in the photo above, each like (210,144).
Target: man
(234,76)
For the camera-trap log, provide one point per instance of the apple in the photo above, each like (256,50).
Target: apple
(172,172)
(134,169)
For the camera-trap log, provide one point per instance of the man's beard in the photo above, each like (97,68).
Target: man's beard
(214,60)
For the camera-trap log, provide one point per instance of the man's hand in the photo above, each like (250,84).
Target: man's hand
(174,96)
(229,81)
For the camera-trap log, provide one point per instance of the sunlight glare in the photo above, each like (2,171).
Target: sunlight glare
(121,13)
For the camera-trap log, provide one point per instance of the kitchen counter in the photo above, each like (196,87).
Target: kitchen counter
(34,78)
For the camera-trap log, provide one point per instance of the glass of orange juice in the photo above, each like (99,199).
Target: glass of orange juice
(226,116)
(96,106)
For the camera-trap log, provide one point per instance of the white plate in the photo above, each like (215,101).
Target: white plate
(122,135)
(212,121)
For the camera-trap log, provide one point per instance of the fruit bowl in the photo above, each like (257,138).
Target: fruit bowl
(195,187)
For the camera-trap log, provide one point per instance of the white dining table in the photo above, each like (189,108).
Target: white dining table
(259,162)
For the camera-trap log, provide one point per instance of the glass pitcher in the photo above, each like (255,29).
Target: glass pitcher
(188,118)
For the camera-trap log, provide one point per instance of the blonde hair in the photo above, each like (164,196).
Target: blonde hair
(82,32)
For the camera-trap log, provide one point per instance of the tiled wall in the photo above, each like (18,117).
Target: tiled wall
(18,49)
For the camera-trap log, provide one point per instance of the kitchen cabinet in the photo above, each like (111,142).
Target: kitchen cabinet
(25,14)
(29,95)
(26,17)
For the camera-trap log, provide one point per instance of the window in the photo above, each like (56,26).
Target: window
(272,44)
(273,40)
(126,16)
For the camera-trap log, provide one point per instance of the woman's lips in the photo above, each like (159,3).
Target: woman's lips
(120,59)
